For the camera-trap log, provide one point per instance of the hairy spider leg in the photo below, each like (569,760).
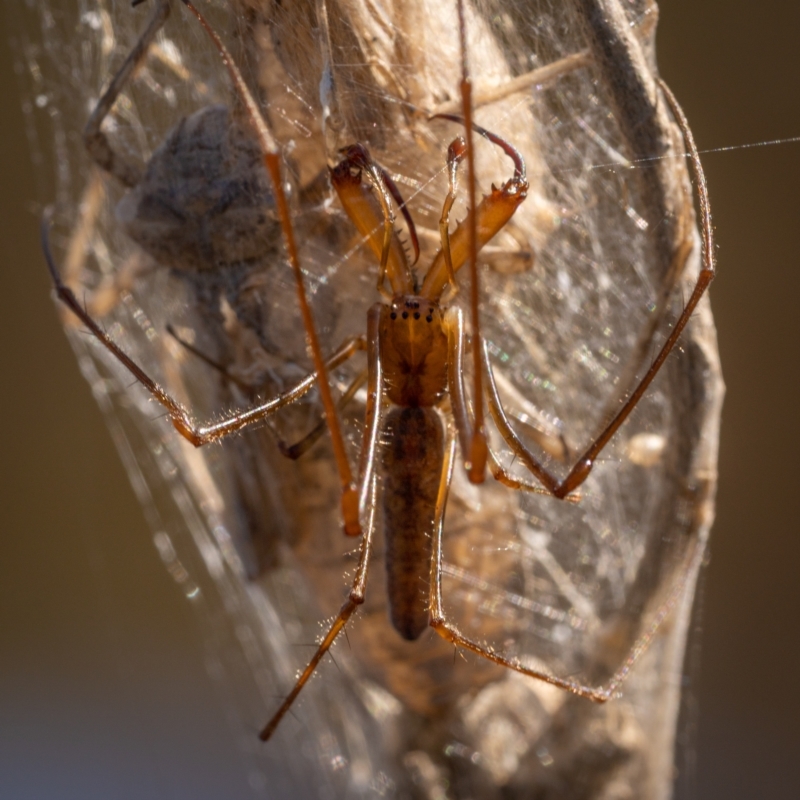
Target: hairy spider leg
(303,445)
(439,621)
(583,466)
(198,435)
(367,479)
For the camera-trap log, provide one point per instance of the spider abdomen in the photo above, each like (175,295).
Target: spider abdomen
(205,200)
(412,467)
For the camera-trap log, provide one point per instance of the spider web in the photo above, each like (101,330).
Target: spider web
(569,286)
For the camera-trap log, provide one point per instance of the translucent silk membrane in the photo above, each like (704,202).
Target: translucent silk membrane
(578,292)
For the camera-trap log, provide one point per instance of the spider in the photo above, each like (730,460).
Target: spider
(202,206)
(416,344)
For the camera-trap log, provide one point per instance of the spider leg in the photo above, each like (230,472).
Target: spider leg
(95,141)
(197,435)
(448,630)
(354,600)
(301,447)
(367,484)
(455,377)
(641,350)
(503,476)
(580,471)
(272,161)
(372,415)
(534,466)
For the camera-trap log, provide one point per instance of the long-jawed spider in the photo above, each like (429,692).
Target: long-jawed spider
(416,345)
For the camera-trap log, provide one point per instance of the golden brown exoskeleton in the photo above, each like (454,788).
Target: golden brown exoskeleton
(416,344)
(413,349)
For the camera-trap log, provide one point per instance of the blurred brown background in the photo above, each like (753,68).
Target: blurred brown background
(103,688)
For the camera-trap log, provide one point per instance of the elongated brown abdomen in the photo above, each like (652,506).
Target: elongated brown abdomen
(412,465)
